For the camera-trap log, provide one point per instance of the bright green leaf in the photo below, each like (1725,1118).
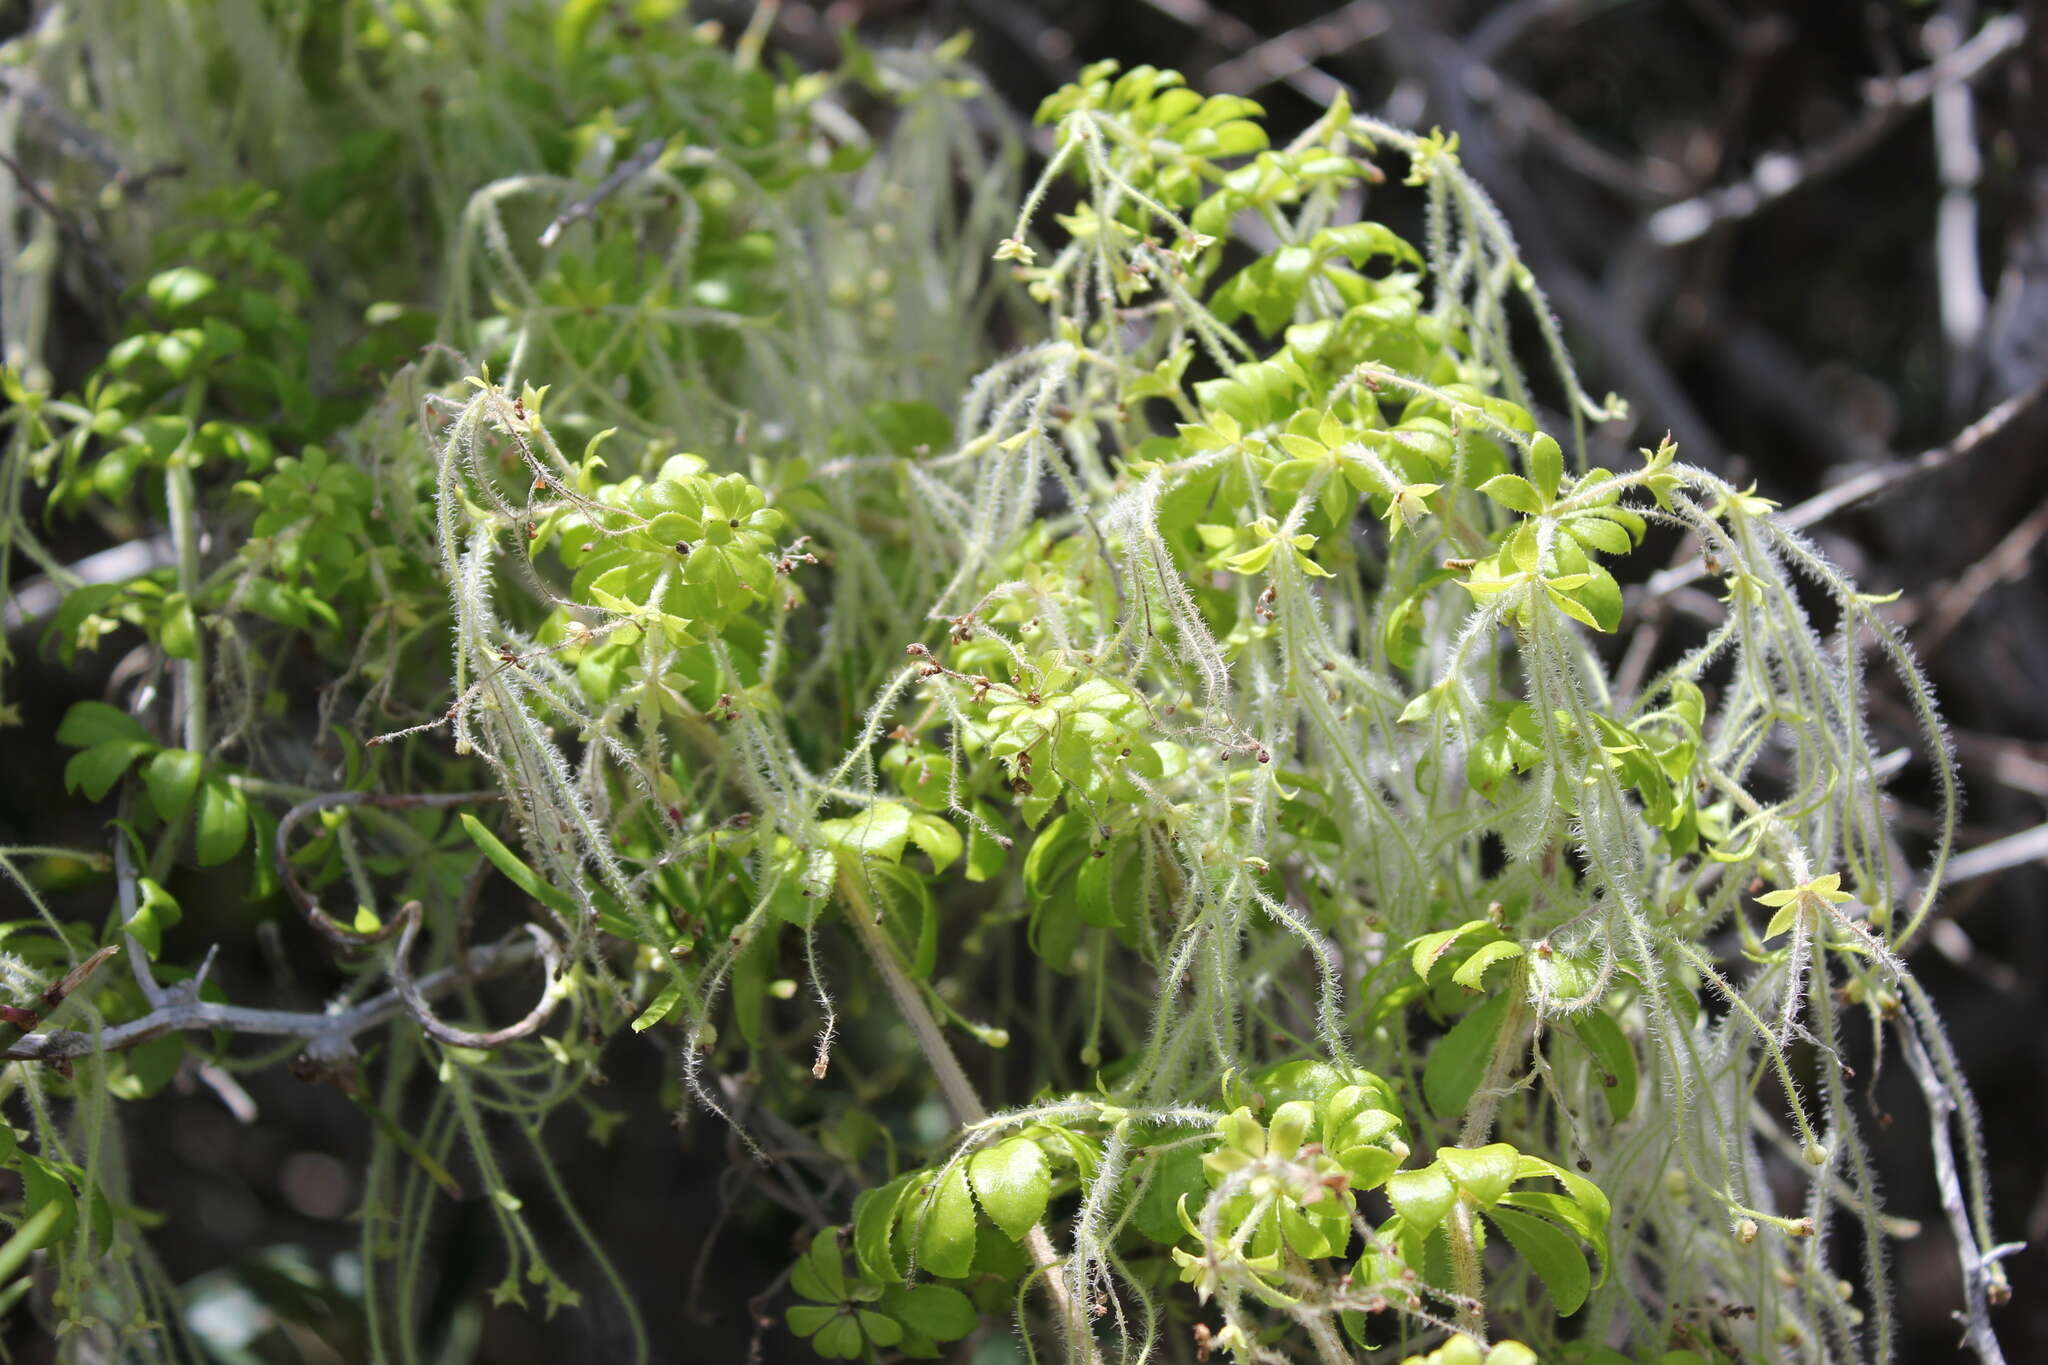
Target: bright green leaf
(172,778)
(516,871)
(1616,1059)
(222,823)
(95,722)
(94,771)
(179,631)
(944,1220)
(1546,465)
(1513,492)
(1012,1182)
(156,912)
(1458,1062)
(819,1274)
(880,831)
(659,1009)
(1471,973)
(939,1311)
(1481,1172)
(1552,1253)
(874,1227)
(1422,1197)
(179,288)
(937,838)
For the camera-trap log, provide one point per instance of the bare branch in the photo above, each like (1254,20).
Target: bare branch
(1777,174)
(1979,1265)
(2006,562)
(328,1035)
(1872,483)
(1957,268)
(1229,31)
(2000,855)
(627,171)
(1642,182)
(1502,28)
(1300,48)
(416,1004)
(42,595)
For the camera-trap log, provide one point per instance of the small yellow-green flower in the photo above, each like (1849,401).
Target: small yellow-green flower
(1815,895)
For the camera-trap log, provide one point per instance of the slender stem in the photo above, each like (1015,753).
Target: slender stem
(959,1092)
(178,500)
(1467,1274)
(1467,1269)
(1506,1052)
(1329,1346)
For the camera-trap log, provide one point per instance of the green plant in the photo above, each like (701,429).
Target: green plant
(1234,650)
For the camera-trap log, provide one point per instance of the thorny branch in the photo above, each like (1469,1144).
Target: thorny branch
(178,1008)
(414,996)
(327,1035)
(1979,1264)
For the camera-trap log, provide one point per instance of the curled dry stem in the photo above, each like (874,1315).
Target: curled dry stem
(408,922)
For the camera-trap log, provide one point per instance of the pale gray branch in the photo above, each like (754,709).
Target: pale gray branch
(627,171)
(2000,855)
(1777,174)
(42,595)
(1977,1264)
(413,993)
(1229,31)
(323,923)
(1300,48)
(327,1035)
(1872,483)
(1957,268)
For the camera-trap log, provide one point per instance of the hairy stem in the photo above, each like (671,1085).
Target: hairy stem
(1467,1270)
(959,1092)
(1506,1052)
(178,501)
(1467,1264)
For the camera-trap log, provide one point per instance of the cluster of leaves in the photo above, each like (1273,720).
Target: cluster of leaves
(1253,1201)
(845,1318)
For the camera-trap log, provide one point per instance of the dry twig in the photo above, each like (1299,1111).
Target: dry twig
(1779,173)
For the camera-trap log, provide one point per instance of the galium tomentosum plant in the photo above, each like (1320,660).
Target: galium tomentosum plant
(1282,734)
(1232,650)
